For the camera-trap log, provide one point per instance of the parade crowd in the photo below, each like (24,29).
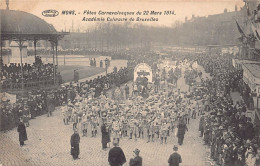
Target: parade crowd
(229,134)
(33,75)
(39,102)
(26,109)
(166,112)
(225,127)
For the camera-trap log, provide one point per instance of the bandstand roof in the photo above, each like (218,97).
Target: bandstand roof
(19,25)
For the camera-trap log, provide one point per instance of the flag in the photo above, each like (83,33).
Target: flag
(256,34)
(247,9)
(240,30)
(10,97)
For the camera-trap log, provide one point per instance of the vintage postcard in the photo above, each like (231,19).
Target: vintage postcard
(130,82)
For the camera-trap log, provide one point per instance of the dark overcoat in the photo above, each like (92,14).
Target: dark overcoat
(50,104)
(105,134)
(116,156)
(174,159)
(22,132)
(74,141)
(201,125)
(137,161)
(182,129)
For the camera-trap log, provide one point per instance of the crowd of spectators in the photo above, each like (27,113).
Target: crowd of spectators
(76,51)
(225,128)
(25,107)
(114,54)
(93,62)
(101,84)
(33,75)
(36,103)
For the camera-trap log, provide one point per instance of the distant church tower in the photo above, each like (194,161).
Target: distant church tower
(236,8)
(225,10)
(7,4)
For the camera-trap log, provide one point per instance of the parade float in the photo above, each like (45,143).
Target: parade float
(143,77)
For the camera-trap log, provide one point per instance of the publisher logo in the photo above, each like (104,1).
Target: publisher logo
(50,13)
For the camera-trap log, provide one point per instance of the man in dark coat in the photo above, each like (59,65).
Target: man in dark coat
(50,104)
(175,158)
(116,156)
(105,135)
(249,130)
(74,141)
(126,91)
(241,131)
(22,132)
(182,128)
(76,75)
(137,160)
(201,125)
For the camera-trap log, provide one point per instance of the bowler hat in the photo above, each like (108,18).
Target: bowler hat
(115,142)
(175,147)
(136,151)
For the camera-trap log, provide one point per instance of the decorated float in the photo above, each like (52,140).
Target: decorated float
(143,77)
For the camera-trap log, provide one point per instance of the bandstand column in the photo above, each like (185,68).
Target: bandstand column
(20,44)
(34,44)
(53,59)
(56,52)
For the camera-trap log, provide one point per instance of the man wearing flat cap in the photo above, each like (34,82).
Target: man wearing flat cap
(137,160)
(175,158)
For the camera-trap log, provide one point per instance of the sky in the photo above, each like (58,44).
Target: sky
(182,9)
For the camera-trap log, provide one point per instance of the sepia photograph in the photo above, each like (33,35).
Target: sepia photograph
(130,83)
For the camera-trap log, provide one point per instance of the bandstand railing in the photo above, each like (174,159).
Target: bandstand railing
(27,84)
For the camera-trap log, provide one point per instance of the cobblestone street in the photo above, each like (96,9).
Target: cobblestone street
(130,83)
(49,144)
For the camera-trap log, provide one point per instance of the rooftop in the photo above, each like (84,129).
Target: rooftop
(19,22)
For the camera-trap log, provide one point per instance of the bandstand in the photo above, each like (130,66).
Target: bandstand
(20,27)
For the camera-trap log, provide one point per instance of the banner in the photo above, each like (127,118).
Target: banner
(240,30)
(144,70)
(6,96)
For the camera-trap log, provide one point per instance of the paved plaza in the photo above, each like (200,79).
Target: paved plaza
(49,144)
